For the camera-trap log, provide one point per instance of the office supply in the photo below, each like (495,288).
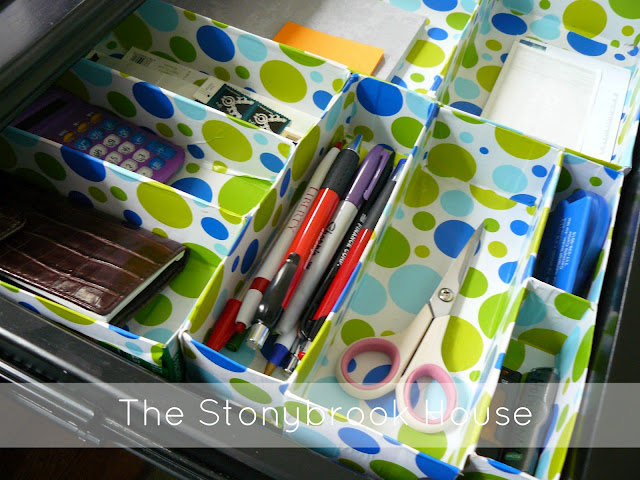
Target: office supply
(574,237)
(236,341)
(415,353)
(560,97)
(311,327)
(357,56)
(363,185)
(79,257)
(281,348)
(333,189)
(64,118)
(238,313)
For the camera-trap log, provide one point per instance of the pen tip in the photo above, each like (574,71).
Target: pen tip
(269,369)
(355,144)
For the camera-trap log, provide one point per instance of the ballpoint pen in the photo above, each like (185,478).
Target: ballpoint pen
(239,312)
(363,185)
(333,190)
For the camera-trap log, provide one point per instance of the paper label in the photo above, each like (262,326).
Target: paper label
(161,65)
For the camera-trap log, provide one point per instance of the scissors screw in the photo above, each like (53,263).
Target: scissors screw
(445,294)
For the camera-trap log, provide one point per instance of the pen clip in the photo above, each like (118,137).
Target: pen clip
(277,289)
(383,156)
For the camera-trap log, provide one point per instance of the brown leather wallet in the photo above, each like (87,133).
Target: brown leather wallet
(101,266)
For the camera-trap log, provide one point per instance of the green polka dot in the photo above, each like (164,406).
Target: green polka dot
(566,386)
(417,77)
(497,249)
(160,232)
(118,193)
(562,417)
(250,391)
(582,357)
(182,48)
(164,55)
(238,287)
(337,84)
(192,167)
(284,149)
(35,178)
(11,288)
(475,284)
(189,15)
(242,72)
(560,452)
(585,17)
(164,205)
(434,444)
(595,181)
(391,471)
(549,341)
(425,54)
(387,333)
(487,76)
(121,104)
(283,81)
(354,330)
(49,165)
(298,410)
(265,210)
(627,30)
(424,221)
(202,314)
(188,352)
(227,140)
(451,160)
(422,251)
(491,225)
(545,4)
(155,312)
(219,24)
(626,8)
(475,426)
(491,313)
(111,45)
(65,313)
(468,119)
(276,216)
(491,199)
(164,129)
(301,57)
(133,32)
(470,57)
(422,190)
(441,131)
(222,73)
(196,273)
(571,306)
(366,132)
(297,194)
(156,353)
(240,194)
(405,131)
(219,167)
(70,81)
(185,129)
(351,465)
(520,146)
(494,45)
(461,346)
(564,181)
(97,194)
(474,376)
(531,209)
(615,43)
(515,355)
(394,249)
(457,20)
(304,154)
(349,100)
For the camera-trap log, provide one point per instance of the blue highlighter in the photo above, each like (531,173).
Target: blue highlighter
(572,242)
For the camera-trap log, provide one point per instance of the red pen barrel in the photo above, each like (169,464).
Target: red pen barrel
(226,325)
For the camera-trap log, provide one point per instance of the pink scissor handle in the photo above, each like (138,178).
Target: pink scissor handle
(439,374)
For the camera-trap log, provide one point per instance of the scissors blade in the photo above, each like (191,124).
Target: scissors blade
(442,301)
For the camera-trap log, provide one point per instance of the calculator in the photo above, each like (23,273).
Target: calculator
(64,118)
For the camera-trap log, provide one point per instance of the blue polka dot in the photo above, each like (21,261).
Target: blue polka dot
(313,441)
(585,45)
(132,217)
(452,236)
(408,5)
(441,5)
(351,367)
(191,109)
(123,174)
(84,165)
(467,107)
(215,228)
(236,262)
(251,47)
(250,256)
(507,270)
(509,24)
(195,151)
(160,335)
(20,137)
(80,199)
(159,15)
(619,56)
(316,76)
(569,351)
(221,249)
(216,43)
(321,98)
(612,173)
(518,227)
(484,150)
(418,104)
(123,332)
(502,467)
(153,100)
(327,391)
(466,137)
(544,461)
(466,89)
(134,348)
(457,203)
(434,468)
(260,138)
(437,33)
(410,286)
(392,441)
(195,186)
(547,28)
(29,306)
(93,73)
(533,311)
(378,97)
(396,80)
(376,375)
(503,57)
(285,183)
(359,440)
(510,179)
(521,6)
(468,5)
(332,117)
(634,51)
(539,171)
(219,359)
(528,200)
(486,57)
(271,162)
(370,298)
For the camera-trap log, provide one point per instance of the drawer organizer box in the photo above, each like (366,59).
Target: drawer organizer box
(239,184)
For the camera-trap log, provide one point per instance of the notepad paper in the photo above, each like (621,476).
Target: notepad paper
(560,97)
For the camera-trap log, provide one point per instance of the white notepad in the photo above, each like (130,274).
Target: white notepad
(560,97)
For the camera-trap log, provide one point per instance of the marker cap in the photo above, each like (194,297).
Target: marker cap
(257,336)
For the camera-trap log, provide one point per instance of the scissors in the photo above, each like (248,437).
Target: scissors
(415,352)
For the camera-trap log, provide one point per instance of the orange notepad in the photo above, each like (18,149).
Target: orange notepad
(357,56)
